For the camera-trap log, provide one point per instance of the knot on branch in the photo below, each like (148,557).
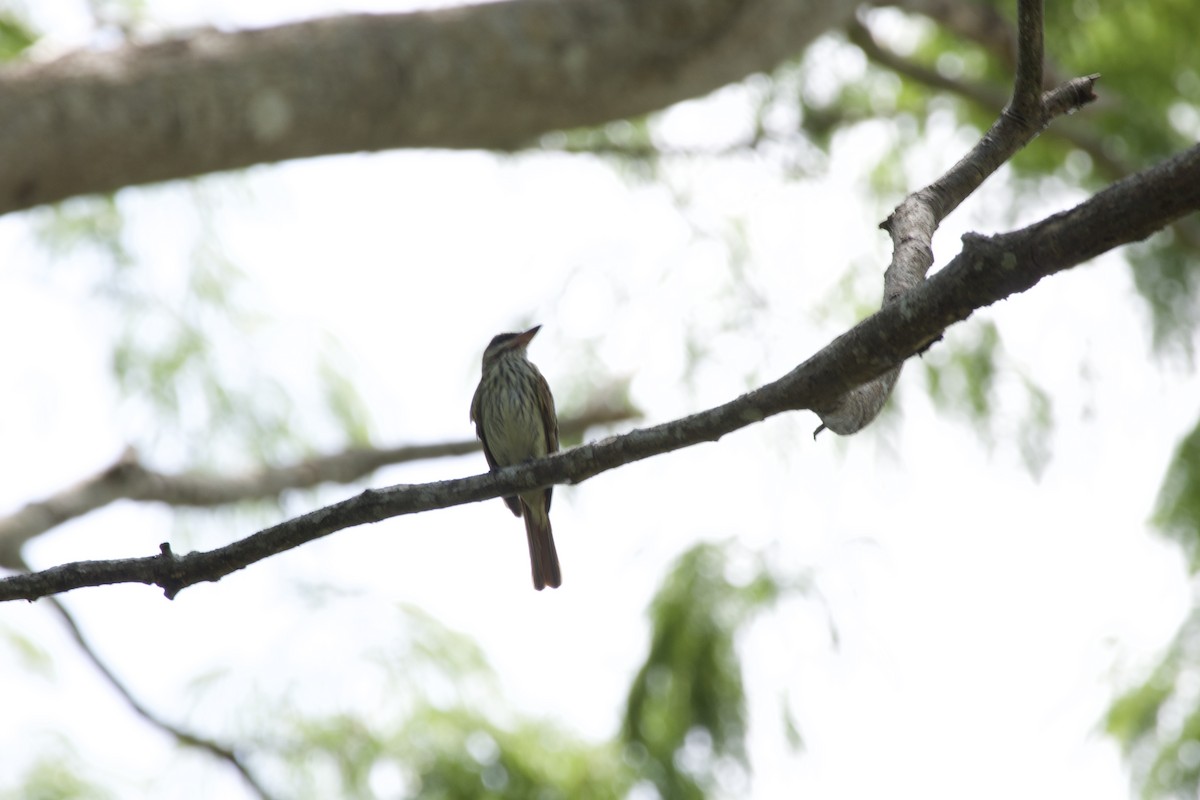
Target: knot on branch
(169,571)
(1070,96)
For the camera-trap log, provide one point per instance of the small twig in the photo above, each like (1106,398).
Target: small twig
(983,96)
(182,736)
(1027,88)
(986,271)
(982,24)
(1067,130)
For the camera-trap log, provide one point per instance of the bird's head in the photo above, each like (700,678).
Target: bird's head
(508,343)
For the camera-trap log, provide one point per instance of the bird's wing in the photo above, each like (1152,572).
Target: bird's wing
(513,503)
(545,402)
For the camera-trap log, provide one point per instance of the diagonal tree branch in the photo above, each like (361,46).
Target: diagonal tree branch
(982,95)
(494,76)
(990,99)
(183,737)
(981,23)
(986,271)
(914,221)
(861,36)
(129,479)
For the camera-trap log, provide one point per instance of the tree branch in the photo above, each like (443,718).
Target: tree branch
(914,221)
(179,734)
(987,98)
(490,76)
(1027,88)
(983,96)
(129,479)
(861,36)
(986,271)
(981,23)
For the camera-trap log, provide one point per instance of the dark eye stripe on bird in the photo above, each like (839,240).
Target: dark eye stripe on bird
(504,342)
(513,412)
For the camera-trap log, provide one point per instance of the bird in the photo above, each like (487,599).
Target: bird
(513,412)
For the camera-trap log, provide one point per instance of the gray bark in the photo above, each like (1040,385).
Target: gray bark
(489,76)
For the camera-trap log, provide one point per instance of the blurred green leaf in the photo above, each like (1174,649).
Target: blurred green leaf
(93,224)
(15,36)
(456,755)
(1157,723)
(1177,510)
(342,398)
(960,371)
(1035,428)
(31,655)
(179,351)
(686,709)
(791,727)
(627,144)
(54,778)
(442,730)
(1166,276)
(428,645)
(422,741)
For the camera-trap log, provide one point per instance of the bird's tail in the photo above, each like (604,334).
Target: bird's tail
(542,555)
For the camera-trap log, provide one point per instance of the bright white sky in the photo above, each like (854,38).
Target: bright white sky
(985,618)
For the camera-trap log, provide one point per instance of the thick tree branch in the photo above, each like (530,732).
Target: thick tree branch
(129,479)
(987,270)
(488,76)
(914,221)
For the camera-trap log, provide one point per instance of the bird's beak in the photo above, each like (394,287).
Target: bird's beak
(525,338)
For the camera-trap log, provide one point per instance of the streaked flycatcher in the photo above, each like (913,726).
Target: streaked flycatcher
(514,417)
